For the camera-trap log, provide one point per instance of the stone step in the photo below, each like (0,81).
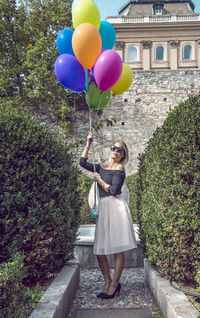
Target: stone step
(114,313)
(83,251)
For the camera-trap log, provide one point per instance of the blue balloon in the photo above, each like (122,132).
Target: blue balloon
(108,35)
(70,73)
(64,42)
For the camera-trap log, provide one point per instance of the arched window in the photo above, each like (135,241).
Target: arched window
(159,53)
(187,52)
(132,54)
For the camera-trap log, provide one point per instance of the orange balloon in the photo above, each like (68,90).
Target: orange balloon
(87,44)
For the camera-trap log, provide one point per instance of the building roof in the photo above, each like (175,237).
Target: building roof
(131,3)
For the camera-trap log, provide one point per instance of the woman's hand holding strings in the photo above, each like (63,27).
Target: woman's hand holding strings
(102,183)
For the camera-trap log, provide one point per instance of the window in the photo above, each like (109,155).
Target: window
(158,8)
(159,53)
(157,11)
(132,54)
(187,52)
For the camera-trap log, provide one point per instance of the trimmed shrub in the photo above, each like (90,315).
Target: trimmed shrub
(84,186)
(39,210)
(131,182)
(169,194)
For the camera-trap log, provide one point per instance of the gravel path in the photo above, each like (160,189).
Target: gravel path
(134,293)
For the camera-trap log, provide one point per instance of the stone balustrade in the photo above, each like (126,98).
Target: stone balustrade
(154,18)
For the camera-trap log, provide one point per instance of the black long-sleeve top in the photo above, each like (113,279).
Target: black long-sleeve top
(113,177)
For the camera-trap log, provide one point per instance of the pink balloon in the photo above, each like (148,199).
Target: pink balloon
(107,69)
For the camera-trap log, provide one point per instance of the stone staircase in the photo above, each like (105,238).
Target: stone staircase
(135,299)
(83,252)
(73,292)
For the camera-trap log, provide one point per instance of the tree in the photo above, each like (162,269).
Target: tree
(28,51)
(13,40)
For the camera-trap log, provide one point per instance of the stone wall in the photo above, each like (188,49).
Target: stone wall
(139,111)
(143,108)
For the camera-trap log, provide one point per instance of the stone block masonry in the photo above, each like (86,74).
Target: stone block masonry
(144,107)
(173,303)
(56,301)
(138,111)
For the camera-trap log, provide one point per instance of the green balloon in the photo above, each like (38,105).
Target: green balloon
(96,98)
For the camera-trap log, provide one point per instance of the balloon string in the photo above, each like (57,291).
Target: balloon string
(90,127)
(89,76)
(95,119)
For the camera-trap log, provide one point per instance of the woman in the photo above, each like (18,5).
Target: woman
(114,228)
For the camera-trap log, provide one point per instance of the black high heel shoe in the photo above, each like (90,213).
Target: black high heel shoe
(117,290)
(100,295)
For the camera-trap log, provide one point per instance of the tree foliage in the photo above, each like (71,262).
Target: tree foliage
(28,51)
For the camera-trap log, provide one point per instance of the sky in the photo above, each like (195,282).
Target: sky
(111,7)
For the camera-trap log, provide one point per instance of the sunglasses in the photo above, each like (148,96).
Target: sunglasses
(118,149)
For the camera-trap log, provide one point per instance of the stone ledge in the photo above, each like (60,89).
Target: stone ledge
(83,253)
(173,303)
(57,299)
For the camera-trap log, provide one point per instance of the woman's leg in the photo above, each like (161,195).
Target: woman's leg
(119,265)
(104,266)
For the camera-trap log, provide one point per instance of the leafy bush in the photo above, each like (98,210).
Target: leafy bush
(39,210)
(197,278)
(13,294)
(131,182)
(169,193)
(84,186)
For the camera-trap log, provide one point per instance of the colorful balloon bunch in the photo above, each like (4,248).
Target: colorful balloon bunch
(87,56)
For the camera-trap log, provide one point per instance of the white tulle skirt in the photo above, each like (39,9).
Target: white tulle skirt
(114,227)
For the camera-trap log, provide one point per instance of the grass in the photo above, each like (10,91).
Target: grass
(157,313)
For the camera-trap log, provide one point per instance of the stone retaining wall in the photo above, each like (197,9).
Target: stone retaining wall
(143,108)
(139,111)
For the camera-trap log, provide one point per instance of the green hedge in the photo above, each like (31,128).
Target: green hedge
(169,194)
(39,210)
(131,182)
(84,186)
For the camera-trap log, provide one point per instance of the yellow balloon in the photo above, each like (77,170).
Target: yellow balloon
(86,11)
(124,81)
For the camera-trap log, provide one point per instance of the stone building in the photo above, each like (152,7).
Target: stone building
(160,40)
(158,34)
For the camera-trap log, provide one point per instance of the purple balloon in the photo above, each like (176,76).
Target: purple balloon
(107,69)
(70,72)
(91,71)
